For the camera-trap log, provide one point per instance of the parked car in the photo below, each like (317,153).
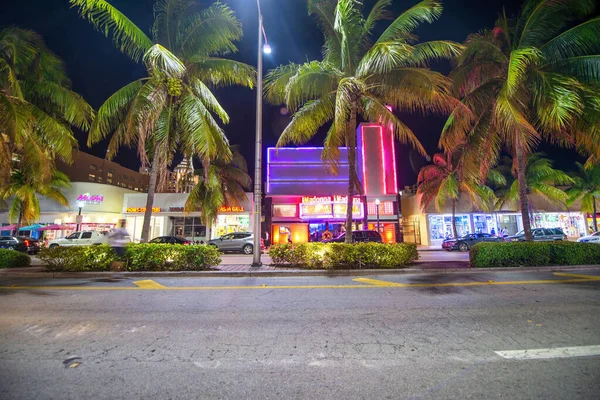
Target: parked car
(239,241)
(171,240)
(593,238)
(540,235)
(357,236)
(83,238)
(20,243)
(464,243)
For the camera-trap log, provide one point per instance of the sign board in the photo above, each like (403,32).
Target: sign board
(79,219)
(87,198)
(329,207)
(231,209)
(141,209)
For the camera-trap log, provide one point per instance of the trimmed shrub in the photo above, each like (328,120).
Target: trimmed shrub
(13,259)
(139,257)
(78,258)
(344,256)
(525,254)
(177,257)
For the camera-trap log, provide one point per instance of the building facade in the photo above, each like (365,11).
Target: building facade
(89,168)
(430,227)
(169,218)
(306,200)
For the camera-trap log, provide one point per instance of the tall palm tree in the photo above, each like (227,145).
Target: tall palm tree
(541,177)
(447,178)
(38,108)
(587,188)
(172,108)
(24,188)
(360,76)
(225,182)
(529,79)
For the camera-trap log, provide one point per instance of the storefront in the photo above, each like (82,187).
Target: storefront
(438,226)
(169,217)
(306,201)
(92,206)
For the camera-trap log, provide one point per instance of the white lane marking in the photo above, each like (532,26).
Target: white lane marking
(558,352)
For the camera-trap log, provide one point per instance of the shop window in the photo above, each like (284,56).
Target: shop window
(109,174)
(285,210)
(385,208)
(108,180)
(189,227)
(92,177)
(99,179)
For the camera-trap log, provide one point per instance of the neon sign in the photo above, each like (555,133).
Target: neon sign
(141,209)
(329,207)
(87,198)
(231,209)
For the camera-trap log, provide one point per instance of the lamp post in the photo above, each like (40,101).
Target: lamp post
(377,211)
(79,219)
(258,148)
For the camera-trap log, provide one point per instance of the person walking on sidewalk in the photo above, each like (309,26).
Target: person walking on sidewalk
(118,238)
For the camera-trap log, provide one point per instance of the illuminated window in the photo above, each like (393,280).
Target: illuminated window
(92,167)
(108,180)
(109,174)
(92,177)
(284,210)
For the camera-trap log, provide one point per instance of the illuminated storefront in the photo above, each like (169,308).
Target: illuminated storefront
(307,202)
(169,217)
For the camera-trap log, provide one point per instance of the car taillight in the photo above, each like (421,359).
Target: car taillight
(26,243)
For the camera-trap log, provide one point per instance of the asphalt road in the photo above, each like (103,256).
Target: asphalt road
(427,336)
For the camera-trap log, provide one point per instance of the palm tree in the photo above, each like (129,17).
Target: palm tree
(37,106)
(541,177)
(360,76)
(586,187)
(529,79)
(448,177)
(225,182)
(172,108)
(24,187)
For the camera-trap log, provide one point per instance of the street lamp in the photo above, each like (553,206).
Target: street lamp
(79,218)
(258,150)
(377,202)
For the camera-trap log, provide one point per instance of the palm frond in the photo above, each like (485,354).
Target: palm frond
(276,81)
(580,40)
(312,81)
(409,20)
(307,120)
(208,98)
(220,72)
(127,36)
(161,62)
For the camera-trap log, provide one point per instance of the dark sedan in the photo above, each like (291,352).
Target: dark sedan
(20,243)
(170,240)
(465,242)
(358,236)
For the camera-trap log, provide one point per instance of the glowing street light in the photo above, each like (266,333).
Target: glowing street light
(377,202)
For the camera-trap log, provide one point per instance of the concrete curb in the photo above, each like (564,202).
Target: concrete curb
(284,272)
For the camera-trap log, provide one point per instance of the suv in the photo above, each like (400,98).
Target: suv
(239,241)
(540,235)
(78,239)
(20,243)
(357,236)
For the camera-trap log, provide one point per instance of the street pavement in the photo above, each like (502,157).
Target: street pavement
(415,336)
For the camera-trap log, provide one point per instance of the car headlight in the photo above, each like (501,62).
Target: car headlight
(514,240)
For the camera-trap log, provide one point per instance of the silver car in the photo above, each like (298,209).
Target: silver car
(239,241)
(540,235)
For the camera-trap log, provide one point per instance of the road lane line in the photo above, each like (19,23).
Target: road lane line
(590,277)
(149,284)
(377,282)
(558,352)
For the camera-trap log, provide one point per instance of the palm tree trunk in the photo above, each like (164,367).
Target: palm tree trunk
(352,176)
(523,199)
(594,214)
(20,219)
(150,198)
(454,231)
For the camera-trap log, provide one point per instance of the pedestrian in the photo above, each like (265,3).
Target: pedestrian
(504,232)
(493,232)
(117,239)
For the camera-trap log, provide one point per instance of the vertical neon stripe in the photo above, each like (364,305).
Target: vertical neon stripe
(269,170)
(393,158)
(383,177)
(362,150)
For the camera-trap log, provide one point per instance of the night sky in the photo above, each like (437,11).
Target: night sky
(97,69)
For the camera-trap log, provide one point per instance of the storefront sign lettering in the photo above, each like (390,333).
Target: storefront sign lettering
(141,209)
(87,198)
(328,199)
(231,209)
(315,199)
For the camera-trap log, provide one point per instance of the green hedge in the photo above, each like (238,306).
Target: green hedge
(178,257)
(138,257)
(344,256)
(13,259)
(525,254)
(78,258)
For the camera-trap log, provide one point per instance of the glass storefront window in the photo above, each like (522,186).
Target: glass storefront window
(440,226)
(190,228)
(231,223)
(573,224)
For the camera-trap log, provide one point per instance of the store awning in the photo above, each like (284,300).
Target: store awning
(33,227)
(54,227)
(8,228)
